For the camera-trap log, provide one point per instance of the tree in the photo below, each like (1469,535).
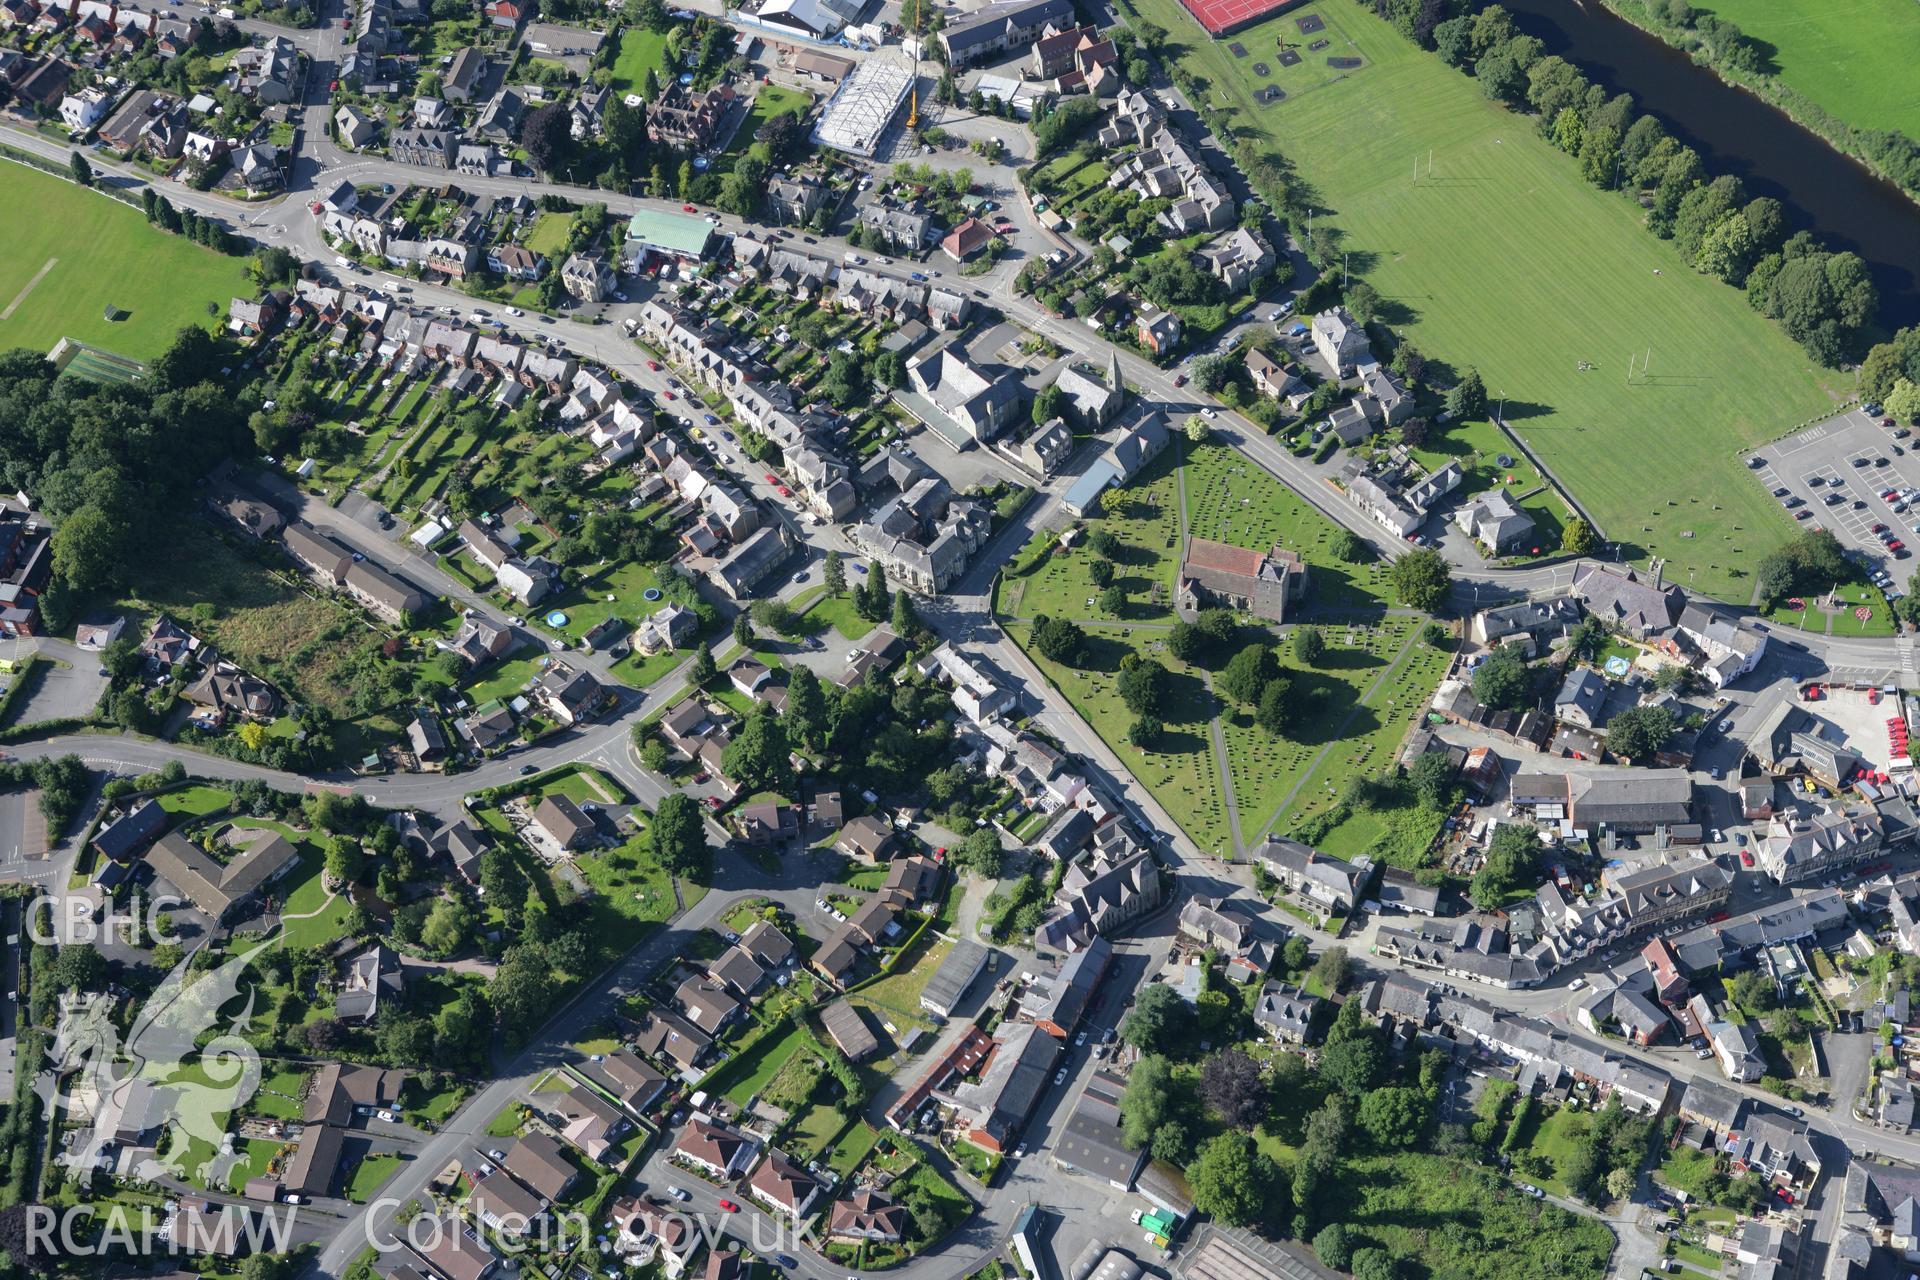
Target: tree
(757,756)
(1232,1180)
(1638,732)
(89,548)
(1903,401)
(1374,1264)
(834,574)
(1197,430)
(1159,1022)
(1619,1183)
(1309,646)
(1185,642)
(1753,991)
(678,836)
(1363,301)
(1058,639)
(906,619)
(346,862)
(1503,681)
(261,1265)
(1421,579)
(704,666)
(743,629)
(1578,538)
(1333,1246)
(81,170)
(1349,547)
(1231,1084)
(1100,572)
(545,134)
(1394,1116)
(1354,1064)
(1113,598)
(1143,687)
(1512,864)
(1331,969)
(1468,397)
(1248,672)
(1432,779)
(1145,732)
(1149,1102)
(521,990)
(1048,403)
(448,928)
(625,129)
(979,852)
(807,719)
(1275,712)
(78,966)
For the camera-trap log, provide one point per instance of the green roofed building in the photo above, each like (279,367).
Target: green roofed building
(675,235)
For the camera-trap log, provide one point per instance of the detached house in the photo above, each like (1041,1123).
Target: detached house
(715,1149)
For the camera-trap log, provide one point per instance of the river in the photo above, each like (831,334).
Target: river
(1736,132)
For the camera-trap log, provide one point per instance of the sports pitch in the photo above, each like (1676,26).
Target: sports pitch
(1504,260)
(71,253)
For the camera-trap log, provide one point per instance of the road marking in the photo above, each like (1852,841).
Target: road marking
(21,296)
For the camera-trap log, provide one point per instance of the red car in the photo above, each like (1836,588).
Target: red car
(728,1206)
(1879,528)
(686,208)
(784,491)
(1896,545)
(1746,858)
(1718,916)
(713,802)
(1180,380)
(654,365)
(669,395)
(770,478)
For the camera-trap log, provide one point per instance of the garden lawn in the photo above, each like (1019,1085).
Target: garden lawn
(1503,259)
(370,1175)
(853,1148)
(323,919)
(618,591)
(195,801)
(254,1153)
(749,1072)
(550,233)
(505,679)
(772,100)
(838,612)
(97,252)
(1848,59)
(896,997)
(642,49)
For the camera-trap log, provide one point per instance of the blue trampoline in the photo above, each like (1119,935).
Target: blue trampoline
(651,593)
(556,619)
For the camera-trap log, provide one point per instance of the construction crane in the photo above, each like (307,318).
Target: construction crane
(913,96)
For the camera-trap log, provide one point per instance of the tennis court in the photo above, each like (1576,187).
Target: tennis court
(1220,17)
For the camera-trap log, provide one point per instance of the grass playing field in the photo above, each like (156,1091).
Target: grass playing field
(71,252)
(1853,59)
(1503,259)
